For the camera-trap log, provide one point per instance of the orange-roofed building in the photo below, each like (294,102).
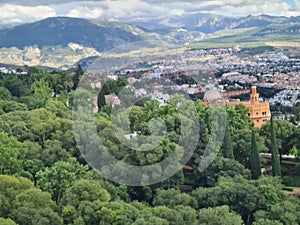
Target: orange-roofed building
(259,112)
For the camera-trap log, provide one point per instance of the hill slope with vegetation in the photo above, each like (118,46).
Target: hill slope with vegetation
(45,180)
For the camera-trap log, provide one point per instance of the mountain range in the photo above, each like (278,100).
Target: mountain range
(63,41)
(210,23)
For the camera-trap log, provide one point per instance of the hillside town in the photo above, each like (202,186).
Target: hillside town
(271,69)
(227,71)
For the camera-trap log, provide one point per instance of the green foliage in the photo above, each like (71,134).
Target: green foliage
(41,93)
(101,99)
(172,198)
(266,222)
(14,85)
(287,180)
(29,216)
(219,216)
(238,193)
(188,214)
(10,154)
(5,94)
(25,204)
(227,145)
(7,222)
(254,158)
(284,132)
(11,106)
(111,87)
(288,189)
(274,151)
(57,107)
(59,177)
(285,212)
(39,144)
(76,78)
(237,118)
(117,213)
(10,187)
(168,214)
(271,195)
(241,142)
(221,168)
(33,198)
(85,190)
(150,221)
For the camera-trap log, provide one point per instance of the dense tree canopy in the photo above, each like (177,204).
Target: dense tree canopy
(45,180)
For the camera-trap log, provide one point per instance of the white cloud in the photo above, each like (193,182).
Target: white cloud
(41,2)
(18,14)
(85,12)
(234,7)
(131,8)
(139,9)
(296,7)
(275,7)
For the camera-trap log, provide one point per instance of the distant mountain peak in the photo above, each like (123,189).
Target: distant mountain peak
(63,30)
(59,41)
(210,23)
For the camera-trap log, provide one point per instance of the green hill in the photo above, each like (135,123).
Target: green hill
(63,41)
(252,37)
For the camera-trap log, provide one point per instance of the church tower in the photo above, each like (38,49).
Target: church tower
(259,112)
(254,96)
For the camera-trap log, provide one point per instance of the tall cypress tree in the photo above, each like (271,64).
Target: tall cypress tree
(227,145)
(254,158)
(101,99)
(276,169)
(200,148)
(76,78)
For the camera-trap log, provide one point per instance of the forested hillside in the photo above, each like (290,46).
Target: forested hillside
(45,180)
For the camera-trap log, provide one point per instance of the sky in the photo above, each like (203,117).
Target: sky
(21,11)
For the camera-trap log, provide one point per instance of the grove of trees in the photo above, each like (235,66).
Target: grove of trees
(45,180)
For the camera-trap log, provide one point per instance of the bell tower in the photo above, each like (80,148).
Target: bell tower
(254,96)
(259,112)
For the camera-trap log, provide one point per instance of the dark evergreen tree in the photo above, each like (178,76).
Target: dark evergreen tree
(200,148)
(276,169)
(101,99)
(254,158)
(76,78)
(227,145)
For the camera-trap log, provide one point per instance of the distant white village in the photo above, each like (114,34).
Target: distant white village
(11,71)
(287,98)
